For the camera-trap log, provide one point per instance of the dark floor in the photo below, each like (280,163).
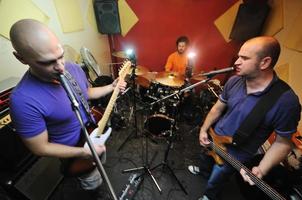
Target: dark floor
(183,152)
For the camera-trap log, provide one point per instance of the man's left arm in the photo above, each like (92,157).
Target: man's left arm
(275,154)
(98,92)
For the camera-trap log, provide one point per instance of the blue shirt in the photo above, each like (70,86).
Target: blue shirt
(282,118)
(36,106)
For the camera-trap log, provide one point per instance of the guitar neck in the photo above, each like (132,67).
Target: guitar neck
(272,193)
(102,123)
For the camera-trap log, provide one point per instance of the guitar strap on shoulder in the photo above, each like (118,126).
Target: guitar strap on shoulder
(79,94)
(255,117)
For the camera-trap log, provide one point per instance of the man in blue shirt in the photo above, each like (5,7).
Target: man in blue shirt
(254,77)
(40,109)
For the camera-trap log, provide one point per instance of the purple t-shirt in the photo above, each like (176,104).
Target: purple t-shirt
(36,106)
(282,118)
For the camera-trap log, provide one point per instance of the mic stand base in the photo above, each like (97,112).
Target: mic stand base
(165,165)
(147,171)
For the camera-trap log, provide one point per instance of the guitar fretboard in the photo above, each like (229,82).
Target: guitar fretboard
(102,123)
(271,192)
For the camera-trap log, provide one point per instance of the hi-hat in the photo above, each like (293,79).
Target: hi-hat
(171,79)
(120,54)
(198,77)
(139,70)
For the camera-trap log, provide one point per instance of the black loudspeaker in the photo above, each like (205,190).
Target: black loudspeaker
(107,16)
(249,21)
(23,175)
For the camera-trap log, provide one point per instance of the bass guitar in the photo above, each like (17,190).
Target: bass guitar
(78,166)
(219,153)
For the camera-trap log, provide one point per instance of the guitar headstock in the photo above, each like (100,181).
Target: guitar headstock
(124,69)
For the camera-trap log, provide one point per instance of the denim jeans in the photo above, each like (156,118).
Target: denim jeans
(219,175)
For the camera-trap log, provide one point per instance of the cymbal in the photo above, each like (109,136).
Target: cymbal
(120,54)
(139,70)
(146,79)
(198,77)
(171,79)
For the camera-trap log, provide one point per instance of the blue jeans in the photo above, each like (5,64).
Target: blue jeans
(221,174)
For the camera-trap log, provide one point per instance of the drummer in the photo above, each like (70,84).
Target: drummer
(178,60)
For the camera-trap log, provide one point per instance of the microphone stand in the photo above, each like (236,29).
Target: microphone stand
(76,108)
(132,78)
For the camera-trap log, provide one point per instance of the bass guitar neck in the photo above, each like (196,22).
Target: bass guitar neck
(218,149)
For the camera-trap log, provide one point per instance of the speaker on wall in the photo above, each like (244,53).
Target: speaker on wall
(107,16)
(249,21)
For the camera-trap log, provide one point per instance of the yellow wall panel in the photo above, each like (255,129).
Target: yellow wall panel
(70,16)
(14,10)
(225,22)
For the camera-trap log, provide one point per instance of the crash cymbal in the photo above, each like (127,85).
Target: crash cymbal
(171,79)
(198,77)
(120,54)
(139,70)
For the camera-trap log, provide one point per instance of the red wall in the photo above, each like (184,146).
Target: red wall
(162,21)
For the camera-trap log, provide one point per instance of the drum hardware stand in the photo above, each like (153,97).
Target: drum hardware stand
(165,163)
(132,78)
(146,166)
(76,108)
(180,91)
(211,89)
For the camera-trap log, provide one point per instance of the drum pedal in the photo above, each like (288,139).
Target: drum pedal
(131,187)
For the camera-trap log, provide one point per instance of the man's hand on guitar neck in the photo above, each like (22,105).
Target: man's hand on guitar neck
(98,147)
(255,170)
(203,138)
(120,83)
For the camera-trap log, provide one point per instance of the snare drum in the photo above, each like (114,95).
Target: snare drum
(159,125)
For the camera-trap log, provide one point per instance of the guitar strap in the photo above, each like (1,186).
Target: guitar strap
(255,117)
(79,95)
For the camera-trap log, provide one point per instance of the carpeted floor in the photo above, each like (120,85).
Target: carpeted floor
(127,147)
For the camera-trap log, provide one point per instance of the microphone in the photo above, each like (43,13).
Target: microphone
(68,90)
(220,71)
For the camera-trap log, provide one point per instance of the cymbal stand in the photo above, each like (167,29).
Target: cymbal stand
(146,165)
(165,163)
(132,78)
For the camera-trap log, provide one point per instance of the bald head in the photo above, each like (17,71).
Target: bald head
(37,47)
(267,47)
(29,37)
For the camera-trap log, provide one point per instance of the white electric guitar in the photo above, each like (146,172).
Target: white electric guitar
(81,165)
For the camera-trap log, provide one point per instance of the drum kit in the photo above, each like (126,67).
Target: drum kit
(154,87)
(162,96)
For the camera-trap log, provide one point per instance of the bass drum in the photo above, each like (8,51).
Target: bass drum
(159,125)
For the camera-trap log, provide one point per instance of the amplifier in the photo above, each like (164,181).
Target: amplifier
(22,174)
(6,86)
(40,180)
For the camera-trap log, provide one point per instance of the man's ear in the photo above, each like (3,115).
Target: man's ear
(19,57)
(265,62)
